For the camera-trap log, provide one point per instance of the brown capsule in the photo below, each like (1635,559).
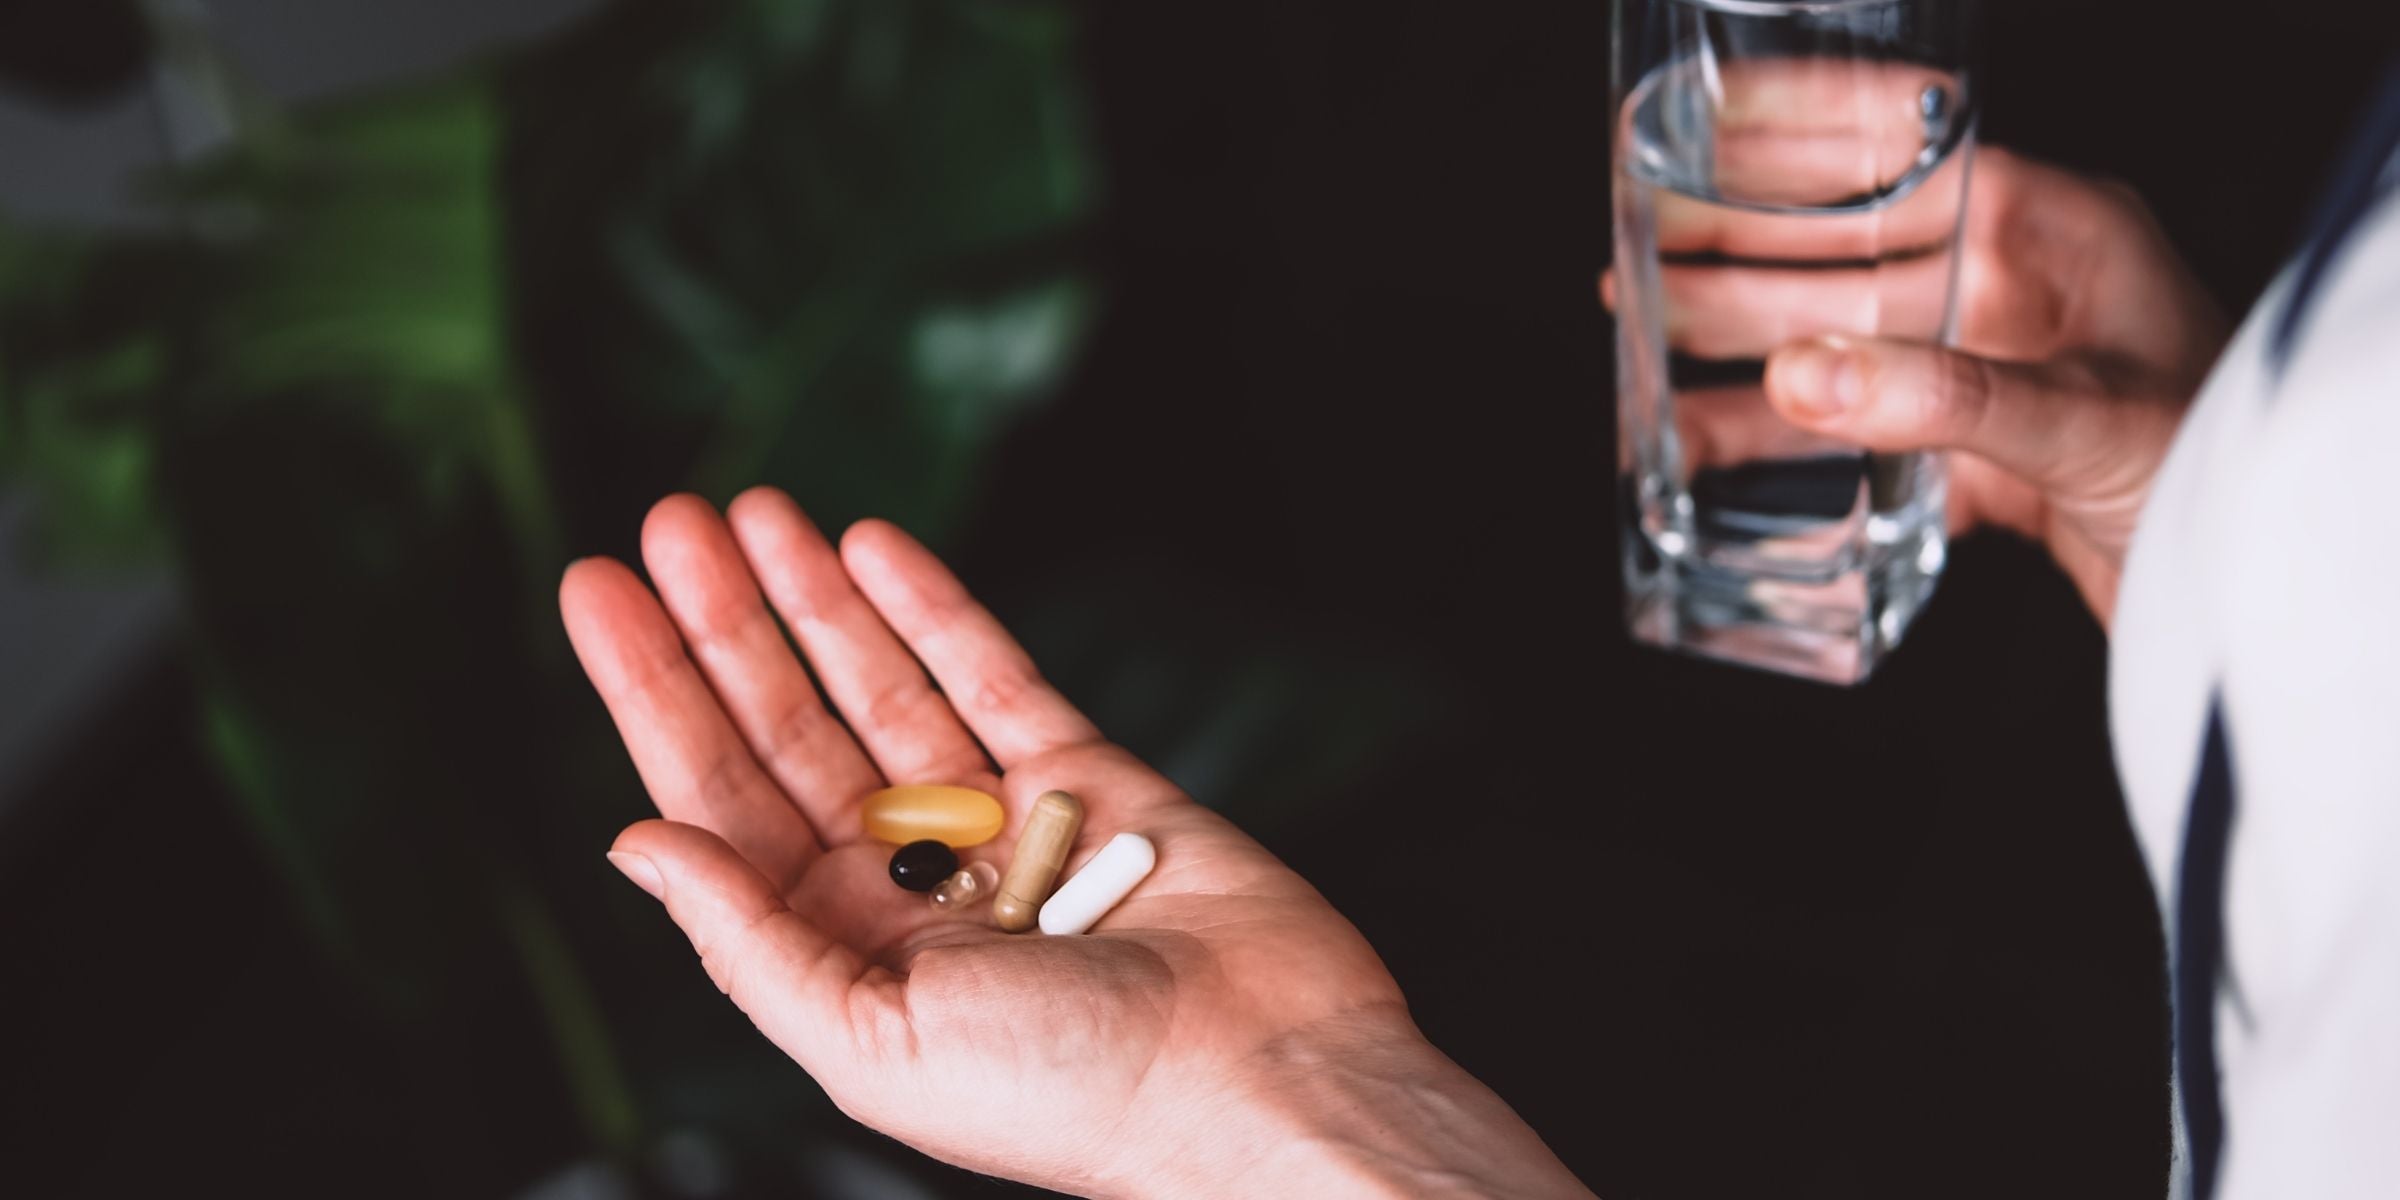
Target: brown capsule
(1041,851)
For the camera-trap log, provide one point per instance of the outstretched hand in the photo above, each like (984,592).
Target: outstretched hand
(1223,1031)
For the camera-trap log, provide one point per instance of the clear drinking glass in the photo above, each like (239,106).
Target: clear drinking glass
(1782,170)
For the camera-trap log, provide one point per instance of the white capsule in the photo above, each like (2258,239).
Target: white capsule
(1111,875)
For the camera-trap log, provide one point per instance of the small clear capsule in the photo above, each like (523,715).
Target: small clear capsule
(972,885)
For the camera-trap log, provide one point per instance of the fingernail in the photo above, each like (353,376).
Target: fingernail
(641,871)
(1819,379)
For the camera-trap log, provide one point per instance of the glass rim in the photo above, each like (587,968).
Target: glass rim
(1786,8)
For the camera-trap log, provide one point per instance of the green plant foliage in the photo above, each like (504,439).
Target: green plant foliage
(834,237)
(82,358)
(414,346)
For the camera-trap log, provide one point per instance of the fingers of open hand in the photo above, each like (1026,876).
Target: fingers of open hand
(691,758)
(990,680)
(708,588)
(804,988)
(880,688)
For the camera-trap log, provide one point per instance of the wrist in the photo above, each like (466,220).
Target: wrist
(1355,1107)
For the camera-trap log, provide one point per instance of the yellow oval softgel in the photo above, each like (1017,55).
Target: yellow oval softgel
(957,817)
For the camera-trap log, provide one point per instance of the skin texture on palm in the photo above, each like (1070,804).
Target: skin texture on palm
(1224,1020)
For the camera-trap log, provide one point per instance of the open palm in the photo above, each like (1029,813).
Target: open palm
(1084,1062)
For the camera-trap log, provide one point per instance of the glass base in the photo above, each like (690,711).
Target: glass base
(1835,628)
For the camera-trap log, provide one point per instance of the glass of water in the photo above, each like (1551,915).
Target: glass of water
(1783,170)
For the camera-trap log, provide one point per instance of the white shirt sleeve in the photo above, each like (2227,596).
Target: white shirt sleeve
(2266,576)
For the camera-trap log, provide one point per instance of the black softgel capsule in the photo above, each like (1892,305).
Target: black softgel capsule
(919,866)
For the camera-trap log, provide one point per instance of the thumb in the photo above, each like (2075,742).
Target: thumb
(792,980)
(2044,422)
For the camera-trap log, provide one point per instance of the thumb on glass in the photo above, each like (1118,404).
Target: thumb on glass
(2041,421)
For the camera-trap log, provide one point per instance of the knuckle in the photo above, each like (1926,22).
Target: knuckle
(1955,380)
(825,598)
(1983,296)
(796,730)
(720,964)
(1962,387)
(2090,376)
(895,705)
(950,610)
(2113,209)
(2123,195)
(647,670)
(1006,688)
(878,1031)
(730,629)
(720,779)
(735,970)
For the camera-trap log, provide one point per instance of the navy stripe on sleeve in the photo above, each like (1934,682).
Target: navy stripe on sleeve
(2364,181)
(2199,957)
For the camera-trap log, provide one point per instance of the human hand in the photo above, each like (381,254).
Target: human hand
(2082,338)
(1222,1032)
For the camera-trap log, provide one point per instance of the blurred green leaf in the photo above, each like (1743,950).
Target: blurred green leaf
(804,208)
(410,346)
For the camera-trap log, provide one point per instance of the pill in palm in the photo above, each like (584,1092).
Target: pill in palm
(1042,848)
(1112,874)
(954,816)
(973,884)
(921,866)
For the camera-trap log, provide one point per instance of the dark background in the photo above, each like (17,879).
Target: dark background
(1319,521)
